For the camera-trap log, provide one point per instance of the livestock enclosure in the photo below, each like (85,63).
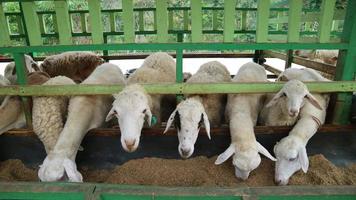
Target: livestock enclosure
(186,29)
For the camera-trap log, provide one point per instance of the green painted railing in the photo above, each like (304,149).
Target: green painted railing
(31,26)
(97,191)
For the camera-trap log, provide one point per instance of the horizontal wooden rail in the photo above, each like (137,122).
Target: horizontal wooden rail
(175,46)
(323,67)
(223,130)
(174,88)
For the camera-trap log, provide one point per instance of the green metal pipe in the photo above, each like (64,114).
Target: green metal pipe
(175,46)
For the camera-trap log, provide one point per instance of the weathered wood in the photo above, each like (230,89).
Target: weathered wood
(224,130)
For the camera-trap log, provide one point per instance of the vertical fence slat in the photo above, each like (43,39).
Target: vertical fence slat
(63,25)
(170,20)
(215,20)
(128,20)
(294,18)
(4,30)
(243,20)
(197,25)
(325,22)
(262,20)
(40,21)
(229,20)
(179,66)
(19,24)
(162,19)
(141,26)
(95,21)
(83,22)
(345,69)
(112,22)
(32,23)
(185,20)
(21,80)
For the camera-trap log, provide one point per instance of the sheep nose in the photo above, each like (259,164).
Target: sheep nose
(278,182)
(293,112)
(185,152)
(130,144)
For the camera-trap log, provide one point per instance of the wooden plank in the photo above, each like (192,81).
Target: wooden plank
(162,19)
(4,29)
(174,88)
(229,20)
(295,10)
(326,18)
(262,20)
(19,25)
(128,21)
(32,23)
(223,130)
(197,24)
(96,21)
(185,20)
(63,25)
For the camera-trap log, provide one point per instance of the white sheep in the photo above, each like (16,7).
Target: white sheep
(75,65)
(49,112)
(196,110)
(10,69)
(84,113)
(326,56)
(133,104)
(294,104)
(242,112)
(11,111)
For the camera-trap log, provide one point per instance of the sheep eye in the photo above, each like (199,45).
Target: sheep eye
(144,111)
(284,94)
(292,159)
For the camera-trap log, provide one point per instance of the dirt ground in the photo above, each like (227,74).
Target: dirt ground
(198,171)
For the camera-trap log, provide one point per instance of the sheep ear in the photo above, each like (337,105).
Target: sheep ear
(264,151)
(5,101)
(206,124)
(303,159)
(170,120)
(71,170)
(111,114)
(149,117)
(274,100)
(226,155)
(282,78)
(313,101)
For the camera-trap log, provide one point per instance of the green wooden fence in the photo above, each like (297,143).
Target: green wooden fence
(288,26)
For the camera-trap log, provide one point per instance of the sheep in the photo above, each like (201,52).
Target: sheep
(196,110)
(11,111)
(10,69)
(48,113)
(326,56)
(294,104)
(74,65)
(241,112)
(84,113)
(133,105)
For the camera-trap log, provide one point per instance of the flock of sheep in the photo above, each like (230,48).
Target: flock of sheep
(62,122)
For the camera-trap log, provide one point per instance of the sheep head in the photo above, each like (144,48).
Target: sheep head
(292,98)
(291,157)
(188,118)
(131,107)
(59,167)
(245,160)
